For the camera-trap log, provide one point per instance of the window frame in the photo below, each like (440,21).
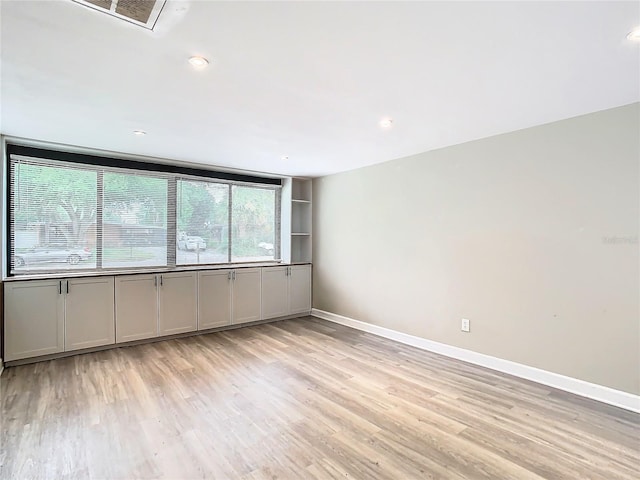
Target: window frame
(102,164)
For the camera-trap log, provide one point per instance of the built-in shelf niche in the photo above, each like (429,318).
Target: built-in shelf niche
(301,190)
(299,232)
(300,217)
(300,248)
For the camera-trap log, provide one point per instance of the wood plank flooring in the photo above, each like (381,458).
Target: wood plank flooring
(299,399)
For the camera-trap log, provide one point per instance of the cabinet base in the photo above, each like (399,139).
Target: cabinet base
(53,356)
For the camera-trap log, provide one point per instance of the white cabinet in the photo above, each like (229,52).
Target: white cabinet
(214,298)
(148,306)
(228,297)
(275,292)
(53,316)
(43,317)
(34,319)
(89,312)
(299,289)
(136,307)
(286,290)
(178,303)
(246,295)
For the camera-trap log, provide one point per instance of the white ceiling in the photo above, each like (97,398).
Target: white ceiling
(309,80)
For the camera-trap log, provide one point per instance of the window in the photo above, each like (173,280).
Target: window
(53,217)
(69,215)
(202,222)
(134,220)
(253,233)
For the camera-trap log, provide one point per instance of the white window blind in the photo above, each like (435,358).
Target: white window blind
(53,216)
(202,222)
(135,215)
(67,216)
(253,232)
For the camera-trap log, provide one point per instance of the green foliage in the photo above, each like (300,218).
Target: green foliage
(135,199)
(253,220)
(123,254)
(65,199)
(47,195)
(202,209)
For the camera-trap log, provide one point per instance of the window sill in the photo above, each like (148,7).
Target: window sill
(142,271)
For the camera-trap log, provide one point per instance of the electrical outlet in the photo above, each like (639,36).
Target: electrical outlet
(465,325)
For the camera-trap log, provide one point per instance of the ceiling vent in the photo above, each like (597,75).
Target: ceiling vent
(140,12)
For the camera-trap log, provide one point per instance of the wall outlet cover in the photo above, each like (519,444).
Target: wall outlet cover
(465,325)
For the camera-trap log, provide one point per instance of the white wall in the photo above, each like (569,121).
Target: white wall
(533,235)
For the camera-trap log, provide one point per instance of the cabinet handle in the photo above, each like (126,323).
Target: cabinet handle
(229,276)
(155,280)
(60,287)
(67,287)
(160,280)
(234,275)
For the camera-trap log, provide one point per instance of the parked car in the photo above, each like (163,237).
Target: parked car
(192,243)
(51,254)
(267,246)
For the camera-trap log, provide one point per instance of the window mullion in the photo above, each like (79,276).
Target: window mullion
(229,225)
(99,217)
(277,225)
(172,228)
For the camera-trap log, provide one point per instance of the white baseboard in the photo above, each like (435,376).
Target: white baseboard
(593,391)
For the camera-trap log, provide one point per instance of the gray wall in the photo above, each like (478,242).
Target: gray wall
(532,235)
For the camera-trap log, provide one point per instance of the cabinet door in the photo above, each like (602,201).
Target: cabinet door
(89,313)
(33,318)
(136,307)
(275,295)
(300,289)
(178,296)
(246,295)
(214,299)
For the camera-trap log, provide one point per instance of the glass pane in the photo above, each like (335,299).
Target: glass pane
(134,220)
(203,222)
(253,224)
(53,218)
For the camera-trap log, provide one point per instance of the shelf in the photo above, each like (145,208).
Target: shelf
(301,189)
(301,217)
(298,224)
(301,248)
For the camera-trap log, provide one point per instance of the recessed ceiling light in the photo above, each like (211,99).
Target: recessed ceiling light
(198,62)
(386,123)
(139,132)
(634,34)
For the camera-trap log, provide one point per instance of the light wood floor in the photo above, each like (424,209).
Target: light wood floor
(299,399)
